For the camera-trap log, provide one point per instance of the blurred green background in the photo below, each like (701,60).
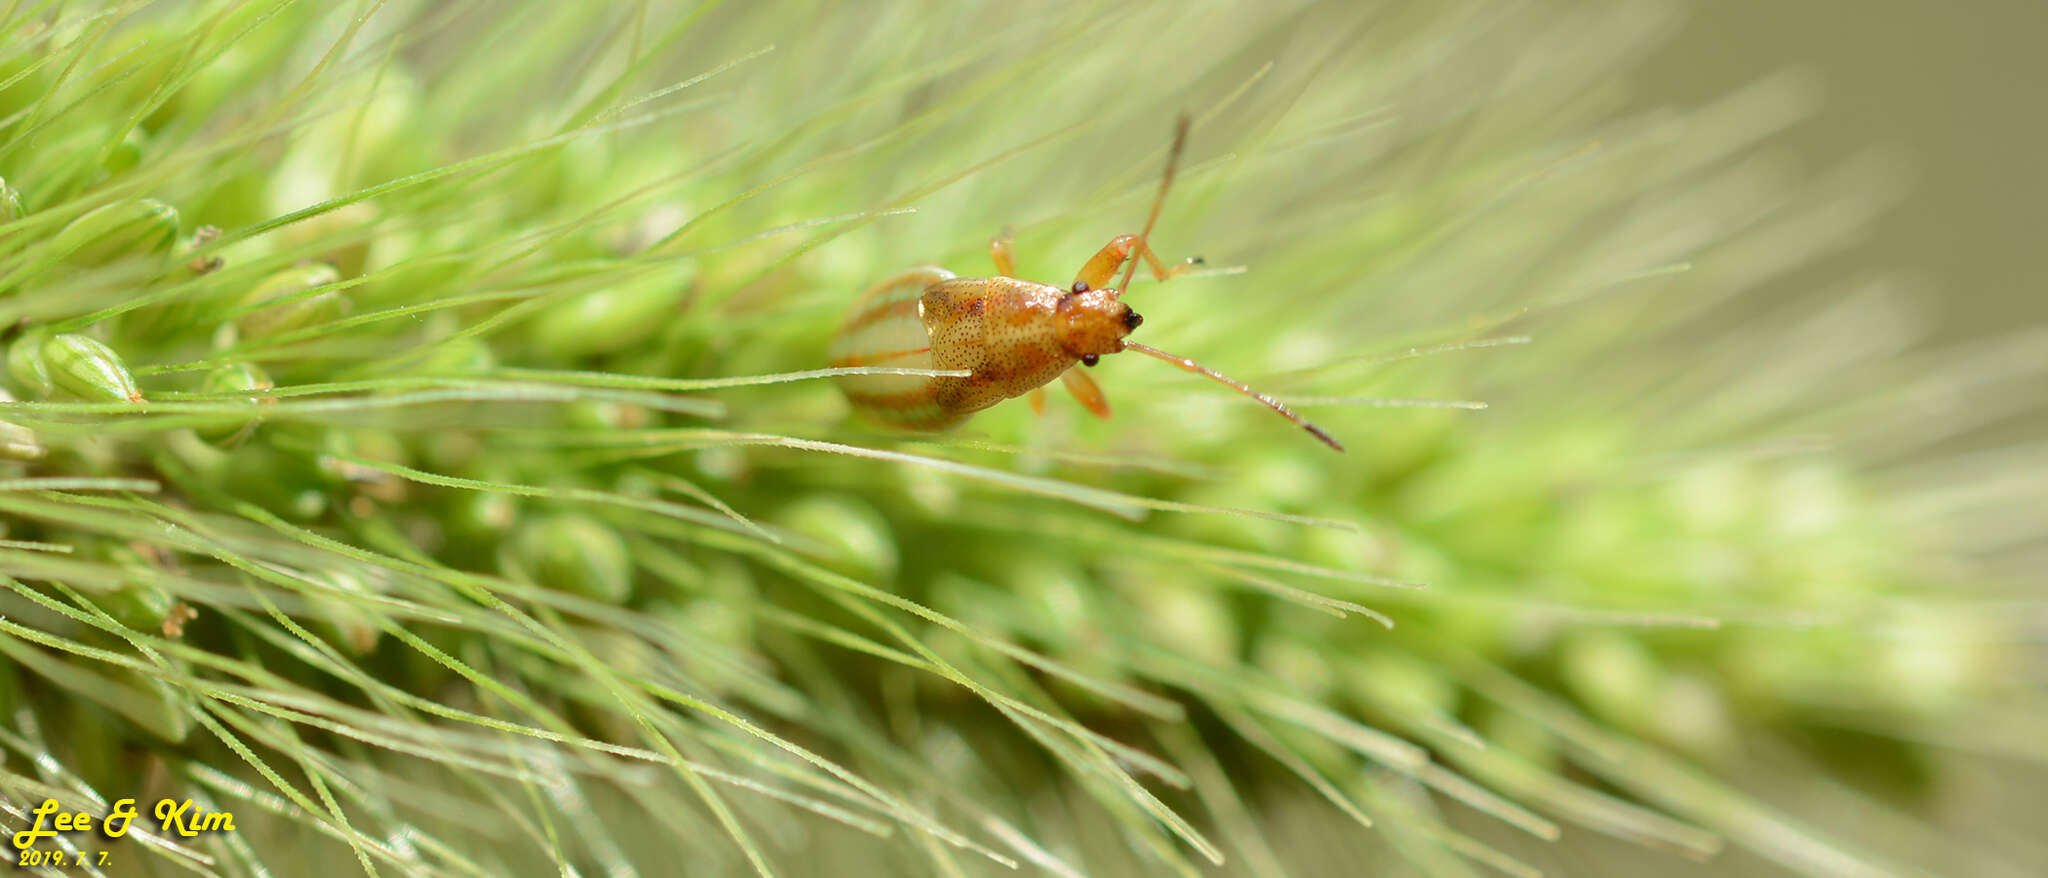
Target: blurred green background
(1952,93)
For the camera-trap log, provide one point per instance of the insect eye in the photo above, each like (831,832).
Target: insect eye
(1080,286)
(1132,319)
(1090,359)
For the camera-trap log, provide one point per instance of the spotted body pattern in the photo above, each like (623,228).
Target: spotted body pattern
(1003,330)
(1011,336)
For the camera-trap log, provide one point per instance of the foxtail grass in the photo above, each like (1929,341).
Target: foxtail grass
(420,446)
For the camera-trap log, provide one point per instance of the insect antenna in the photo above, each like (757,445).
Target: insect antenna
(1180,140)
(1240,386)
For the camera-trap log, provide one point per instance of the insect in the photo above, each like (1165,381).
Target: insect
(1012,336)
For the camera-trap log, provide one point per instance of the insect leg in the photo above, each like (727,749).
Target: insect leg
(898,291)
(915,279)
(1086,391)
(1004,253)
(865,336)
(1161,270)
(1101,268)
(1038,401)
(1180,141)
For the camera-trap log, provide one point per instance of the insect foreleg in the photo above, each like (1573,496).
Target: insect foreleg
(1086,391)
(1101,268)
(1004,253)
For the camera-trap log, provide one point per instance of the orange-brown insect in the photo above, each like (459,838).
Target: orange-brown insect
(1012,336)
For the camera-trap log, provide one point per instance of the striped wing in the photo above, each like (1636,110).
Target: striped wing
(884,328)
